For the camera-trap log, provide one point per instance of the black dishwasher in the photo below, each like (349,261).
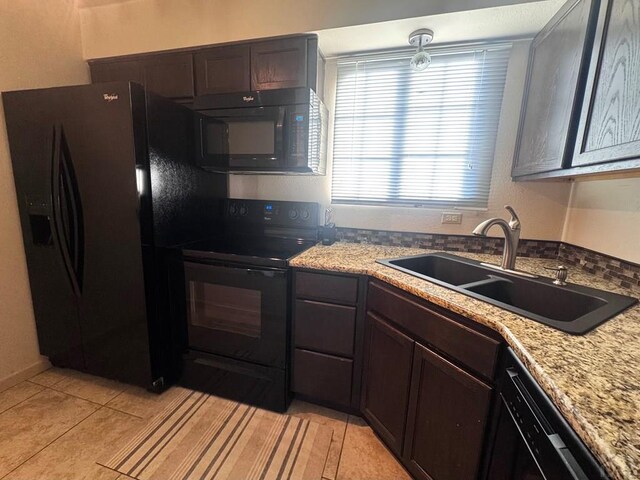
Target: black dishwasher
(533,441)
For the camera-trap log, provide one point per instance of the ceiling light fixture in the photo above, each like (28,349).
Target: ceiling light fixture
(421,60)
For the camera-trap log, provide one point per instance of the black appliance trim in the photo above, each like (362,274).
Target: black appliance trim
(552,443)
(212,362)
(67,210)
(253,99)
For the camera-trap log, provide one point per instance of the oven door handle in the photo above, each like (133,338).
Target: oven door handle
(554,441)
(266,273)
(220,268)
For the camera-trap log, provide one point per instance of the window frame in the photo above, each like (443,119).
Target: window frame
(395,200)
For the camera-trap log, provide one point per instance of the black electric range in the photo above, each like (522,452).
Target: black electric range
(249,249)
(238,289)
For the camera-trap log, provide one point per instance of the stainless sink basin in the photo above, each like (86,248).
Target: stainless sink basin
(572,308)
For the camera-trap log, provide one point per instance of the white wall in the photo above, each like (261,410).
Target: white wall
(39,47)
(148,25)
(541,206)
(604,216)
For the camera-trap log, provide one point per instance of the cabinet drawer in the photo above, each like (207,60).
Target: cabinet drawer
(331,288)
(324,327)
(471,348)
(322,377)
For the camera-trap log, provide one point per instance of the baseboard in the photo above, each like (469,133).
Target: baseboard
(24,374)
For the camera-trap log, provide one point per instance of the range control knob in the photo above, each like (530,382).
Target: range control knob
(293,213)
(233,209)
(304,214)
(243,210)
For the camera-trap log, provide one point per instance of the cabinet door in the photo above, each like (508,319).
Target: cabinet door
(127,71)
(223,70)
(170,75)
(552,91)
(448,411)
(609,127)
(387,375)
(279,64)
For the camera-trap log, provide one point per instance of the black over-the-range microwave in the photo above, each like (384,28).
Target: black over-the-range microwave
(271,131)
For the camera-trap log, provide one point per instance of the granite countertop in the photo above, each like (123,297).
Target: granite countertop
(593,379)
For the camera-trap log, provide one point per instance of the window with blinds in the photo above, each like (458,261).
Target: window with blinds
(425,138)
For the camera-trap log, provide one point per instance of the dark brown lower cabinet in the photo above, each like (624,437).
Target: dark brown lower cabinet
(387,376)
(448,411)
(323,377)
(328,337)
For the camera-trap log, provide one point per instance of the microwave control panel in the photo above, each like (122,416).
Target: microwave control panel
(298,134)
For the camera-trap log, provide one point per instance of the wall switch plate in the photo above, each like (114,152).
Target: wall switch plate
(451,217)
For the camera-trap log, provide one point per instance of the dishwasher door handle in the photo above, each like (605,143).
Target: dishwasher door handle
(527,415)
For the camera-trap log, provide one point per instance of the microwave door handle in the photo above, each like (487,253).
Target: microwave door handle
(281,139)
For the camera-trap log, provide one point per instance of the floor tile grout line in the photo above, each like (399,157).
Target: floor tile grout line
(54,383)
(24,400)
(344,437)
(119,393)
(79,397)
(50,443)
(125,412)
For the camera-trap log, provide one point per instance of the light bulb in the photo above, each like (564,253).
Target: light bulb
(420,61)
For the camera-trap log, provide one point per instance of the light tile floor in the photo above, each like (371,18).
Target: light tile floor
(58,423)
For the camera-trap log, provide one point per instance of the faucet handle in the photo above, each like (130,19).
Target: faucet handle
(561,274)
(514,223)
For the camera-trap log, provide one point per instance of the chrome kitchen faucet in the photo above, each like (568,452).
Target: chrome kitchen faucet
(511,231)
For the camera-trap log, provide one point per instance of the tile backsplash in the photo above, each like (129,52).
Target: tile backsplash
(449,243)
(622,273)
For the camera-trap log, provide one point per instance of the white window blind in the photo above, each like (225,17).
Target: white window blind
(418,138)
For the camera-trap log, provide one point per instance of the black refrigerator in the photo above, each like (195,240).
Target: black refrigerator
(108,189)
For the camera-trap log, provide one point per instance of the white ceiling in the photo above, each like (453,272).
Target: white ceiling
(512,21)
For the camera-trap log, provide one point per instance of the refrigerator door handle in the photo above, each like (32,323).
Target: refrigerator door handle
(67,211)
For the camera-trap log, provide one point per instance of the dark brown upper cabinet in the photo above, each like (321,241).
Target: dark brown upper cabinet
(448,414)
(609,128)
(283,62)
(581,110)
(169,75)
(279,64)
(117,71)
(223,69)
(552,92)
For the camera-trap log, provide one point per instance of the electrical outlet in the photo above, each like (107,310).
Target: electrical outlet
(451,217)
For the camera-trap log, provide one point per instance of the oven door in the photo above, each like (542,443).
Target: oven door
(242,138)
(238,312)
